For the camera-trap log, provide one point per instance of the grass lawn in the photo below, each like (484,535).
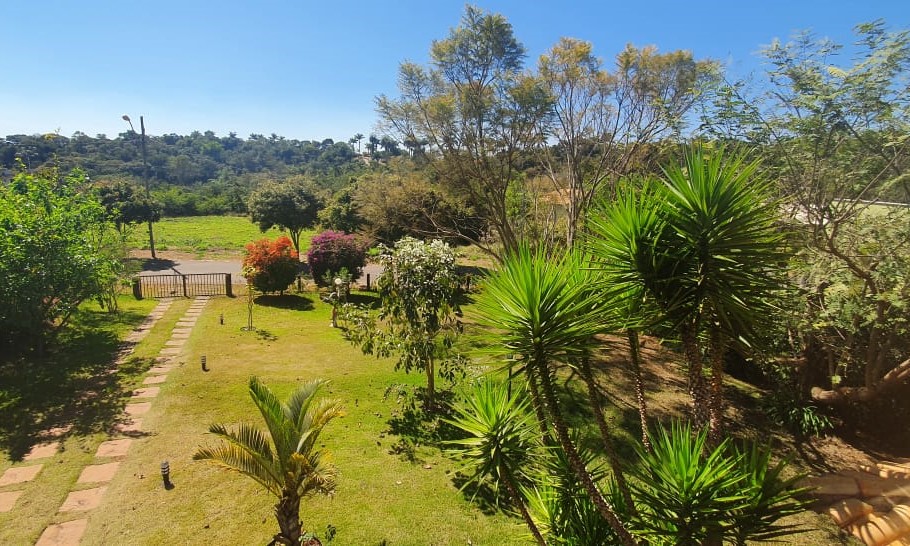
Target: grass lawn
(382,495)
(69,387)
(221,235)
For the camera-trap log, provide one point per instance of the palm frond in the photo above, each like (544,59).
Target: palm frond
(274,413)
(236,458)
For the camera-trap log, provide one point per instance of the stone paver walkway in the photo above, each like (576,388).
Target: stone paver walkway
(872,503)
(103,470)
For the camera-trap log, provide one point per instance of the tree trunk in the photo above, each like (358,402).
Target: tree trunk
(539,409)
(597,408)
(635,355)
(696,377)
(431,385)
(562,435)
(287,511)
(520,502)
(898,376)
(716,395)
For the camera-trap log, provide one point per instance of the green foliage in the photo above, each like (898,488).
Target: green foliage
(789,406)
(287,460)
(419,290)
(270,266)
(342,213)
(125,205)
(501,440)
(689,493)
(291,204)
(52,259)
(476,111)
(540,308)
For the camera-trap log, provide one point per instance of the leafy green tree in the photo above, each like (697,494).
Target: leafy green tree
(603,121)
(836,132)
(51,257)
(342,213)
(288,461)
(477,112)
(292,204)
(125,205)
(418,290)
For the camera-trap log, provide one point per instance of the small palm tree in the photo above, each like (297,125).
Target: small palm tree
(291,466)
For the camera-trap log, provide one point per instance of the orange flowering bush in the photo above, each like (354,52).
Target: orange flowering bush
(270,266)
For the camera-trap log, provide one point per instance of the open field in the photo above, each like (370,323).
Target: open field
(215,236)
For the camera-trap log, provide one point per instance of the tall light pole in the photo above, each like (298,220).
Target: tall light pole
(145,178)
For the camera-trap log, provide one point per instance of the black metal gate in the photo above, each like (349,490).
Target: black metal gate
(182,286)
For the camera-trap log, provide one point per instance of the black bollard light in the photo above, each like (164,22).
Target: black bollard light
(221,319)
(203,364)
(166,475)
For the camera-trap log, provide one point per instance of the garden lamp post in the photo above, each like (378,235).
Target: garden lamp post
(145,176)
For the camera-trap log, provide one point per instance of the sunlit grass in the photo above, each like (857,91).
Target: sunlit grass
(224,235)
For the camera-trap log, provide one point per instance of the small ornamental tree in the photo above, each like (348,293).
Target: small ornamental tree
(332,251)
(419,316)
(270,266)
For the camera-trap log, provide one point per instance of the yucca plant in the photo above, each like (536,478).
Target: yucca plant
(627,240)
(541,313)
(684,491)
(694,495)
(727,262)
(286,461)
(500,441)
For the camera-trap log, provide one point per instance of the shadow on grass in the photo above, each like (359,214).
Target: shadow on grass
(72,388)
(293,302)
(415,426)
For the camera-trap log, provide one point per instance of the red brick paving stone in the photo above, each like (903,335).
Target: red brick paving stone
(20,474)
(171,351)
(63,534)
(175,342)
(186,324)
(132,425)
(40,451)
(154,379)
(141,408)
(147,392)
(160,369)
(80,501)
(180,335)
(8,500)
(114,448)
(98,473)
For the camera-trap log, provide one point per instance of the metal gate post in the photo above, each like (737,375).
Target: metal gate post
(228,289)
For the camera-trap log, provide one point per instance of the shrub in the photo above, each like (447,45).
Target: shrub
(332,251)
(270,266)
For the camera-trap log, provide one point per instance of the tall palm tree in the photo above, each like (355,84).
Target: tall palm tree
(541,315)
(290,466)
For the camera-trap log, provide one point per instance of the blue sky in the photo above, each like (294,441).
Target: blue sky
(310,69)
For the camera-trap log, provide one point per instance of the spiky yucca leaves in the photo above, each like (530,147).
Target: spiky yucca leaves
(562,508)
(286,462)
(683,490)
(539,308)
(501,440)
(541,312)
(729,259)
(630,243)
(770,496)
(692,494)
